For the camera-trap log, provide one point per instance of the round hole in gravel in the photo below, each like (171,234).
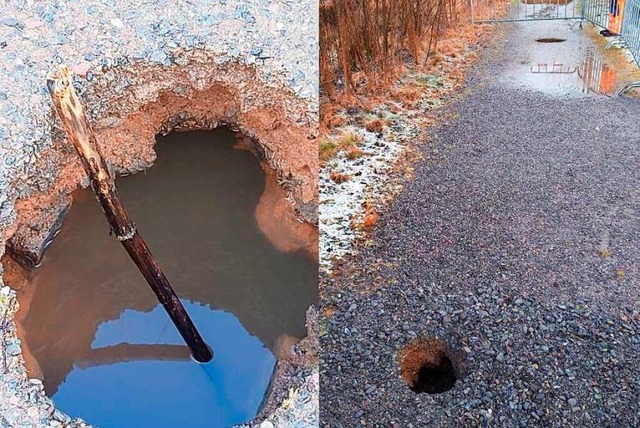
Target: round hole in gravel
(427,366)
(550,40)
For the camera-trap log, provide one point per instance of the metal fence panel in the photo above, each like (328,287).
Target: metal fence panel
(525,10)
(631,27)
(596,11)
(604,13)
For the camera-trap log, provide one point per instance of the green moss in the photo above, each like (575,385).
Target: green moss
(328,149)
(430,80)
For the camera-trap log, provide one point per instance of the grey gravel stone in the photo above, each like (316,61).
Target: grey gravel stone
(11,22)
(158,56)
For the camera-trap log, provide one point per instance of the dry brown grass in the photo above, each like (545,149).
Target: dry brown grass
(370,216)
(348,139)
(353,152)
(409,94)
(331,117)
(370,220)
(556,2)
(375,125)
(346,142)
(338,177)
(328,149)
(367,42)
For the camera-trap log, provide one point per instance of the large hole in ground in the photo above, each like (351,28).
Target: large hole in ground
(427,366)
(550,40)
(93,331)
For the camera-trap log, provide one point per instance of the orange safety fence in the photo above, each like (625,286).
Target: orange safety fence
(616,14)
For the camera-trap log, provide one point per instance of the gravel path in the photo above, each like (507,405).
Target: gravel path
(518,242)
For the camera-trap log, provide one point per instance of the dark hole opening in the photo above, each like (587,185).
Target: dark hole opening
(434,379)
(426,366)
(550,40)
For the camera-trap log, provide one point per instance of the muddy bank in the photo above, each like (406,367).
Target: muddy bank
(279,223)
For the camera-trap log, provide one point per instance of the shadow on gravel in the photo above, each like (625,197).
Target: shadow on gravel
(426,365)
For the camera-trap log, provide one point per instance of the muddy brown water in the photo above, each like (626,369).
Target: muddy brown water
(94,332)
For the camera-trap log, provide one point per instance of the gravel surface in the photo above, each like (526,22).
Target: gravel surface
(277,39)
(300,408)
(518,242)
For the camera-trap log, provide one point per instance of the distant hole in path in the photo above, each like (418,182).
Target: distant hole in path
(426,366)
(550,40)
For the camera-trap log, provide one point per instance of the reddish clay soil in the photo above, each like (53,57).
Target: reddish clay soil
(278,221)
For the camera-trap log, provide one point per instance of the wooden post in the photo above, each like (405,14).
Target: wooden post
(74,120)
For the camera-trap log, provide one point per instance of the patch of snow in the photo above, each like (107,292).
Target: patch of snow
(342,203)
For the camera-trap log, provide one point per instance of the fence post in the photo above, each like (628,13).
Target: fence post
(471,8)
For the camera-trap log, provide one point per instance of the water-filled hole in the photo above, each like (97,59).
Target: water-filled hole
(550,40)
(94,332)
